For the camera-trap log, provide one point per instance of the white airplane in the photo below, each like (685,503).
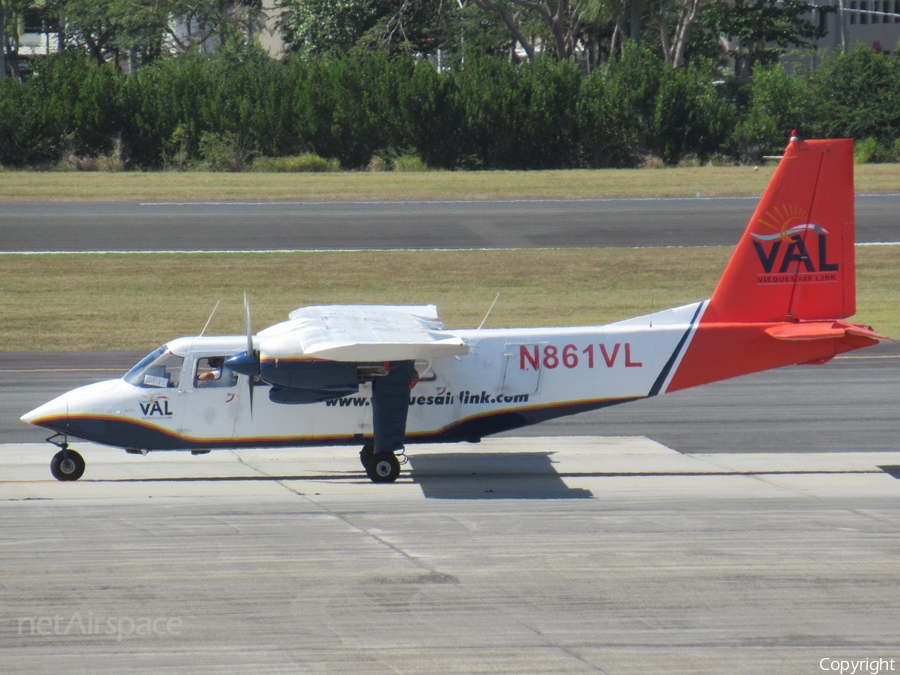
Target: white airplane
(386,376)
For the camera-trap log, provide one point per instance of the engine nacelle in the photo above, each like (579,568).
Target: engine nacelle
(306,381)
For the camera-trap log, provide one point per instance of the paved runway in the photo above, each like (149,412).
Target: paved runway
(542,555)
(750,551)
(90,226)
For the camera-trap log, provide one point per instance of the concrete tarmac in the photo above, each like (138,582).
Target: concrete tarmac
(555,555)
(543,555)
(99,226)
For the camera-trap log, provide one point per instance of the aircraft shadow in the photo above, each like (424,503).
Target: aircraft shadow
(485,475)
(891,469)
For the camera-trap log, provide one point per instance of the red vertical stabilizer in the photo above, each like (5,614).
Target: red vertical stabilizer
(791,279)
(795,260)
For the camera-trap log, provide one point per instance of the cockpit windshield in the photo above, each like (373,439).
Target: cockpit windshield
(161,369)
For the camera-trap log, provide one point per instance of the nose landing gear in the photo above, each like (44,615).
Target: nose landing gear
(66,464)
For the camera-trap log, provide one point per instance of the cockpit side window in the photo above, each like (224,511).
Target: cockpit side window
(161,369)
(212,372)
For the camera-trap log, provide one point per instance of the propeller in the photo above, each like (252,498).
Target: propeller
(246,363)
(247,324)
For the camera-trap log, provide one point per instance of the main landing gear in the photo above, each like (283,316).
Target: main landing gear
(66,464)
(383,467)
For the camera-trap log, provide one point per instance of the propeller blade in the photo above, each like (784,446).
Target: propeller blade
(247,324)
(246,363)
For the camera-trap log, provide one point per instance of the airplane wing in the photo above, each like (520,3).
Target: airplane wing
(322,353)
(360,333)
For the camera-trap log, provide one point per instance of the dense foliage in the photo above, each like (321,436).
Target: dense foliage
(234,105)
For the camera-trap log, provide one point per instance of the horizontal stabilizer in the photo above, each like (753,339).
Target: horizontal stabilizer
(820,330)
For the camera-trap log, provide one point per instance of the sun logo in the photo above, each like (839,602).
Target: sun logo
(786,220)
(791,225)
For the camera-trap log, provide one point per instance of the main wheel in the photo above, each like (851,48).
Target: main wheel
(69,467)
(383,467)
(366,454)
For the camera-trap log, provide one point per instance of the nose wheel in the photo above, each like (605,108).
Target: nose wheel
(66,464)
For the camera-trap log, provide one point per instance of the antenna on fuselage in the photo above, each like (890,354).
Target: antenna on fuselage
(489,311)
(209,320)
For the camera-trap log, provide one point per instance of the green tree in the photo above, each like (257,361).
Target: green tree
(778,103)
(12,13)
(763,29)
(319,26)
(97,26)
(676,24)
(558,23)
(190,24)
(856,94)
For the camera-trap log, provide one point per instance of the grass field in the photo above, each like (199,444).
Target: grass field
(205,186)
(92,302)
(137,301)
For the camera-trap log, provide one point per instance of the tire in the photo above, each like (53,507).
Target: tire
(383,467)
(366,454)
(67,469)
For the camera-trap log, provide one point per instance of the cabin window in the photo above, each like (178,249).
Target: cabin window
(211,372)
(160,369)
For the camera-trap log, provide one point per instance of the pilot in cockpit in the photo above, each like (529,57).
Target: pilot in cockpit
(211,372)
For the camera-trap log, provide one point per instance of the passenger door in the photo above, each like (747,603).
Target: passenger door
(211,397)
(521,368)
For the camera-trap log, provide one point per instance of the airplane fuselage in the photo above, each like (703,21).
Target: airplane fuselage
(509,378)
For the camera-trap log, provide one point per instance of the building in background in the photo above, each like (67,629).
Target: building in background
(873,23)
(36,32)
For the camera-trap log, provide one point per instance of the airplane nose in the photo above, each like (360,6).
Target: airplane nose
(52,410)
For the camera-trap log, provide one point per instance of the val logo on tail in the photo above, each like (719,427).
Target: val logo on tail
(384,377)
